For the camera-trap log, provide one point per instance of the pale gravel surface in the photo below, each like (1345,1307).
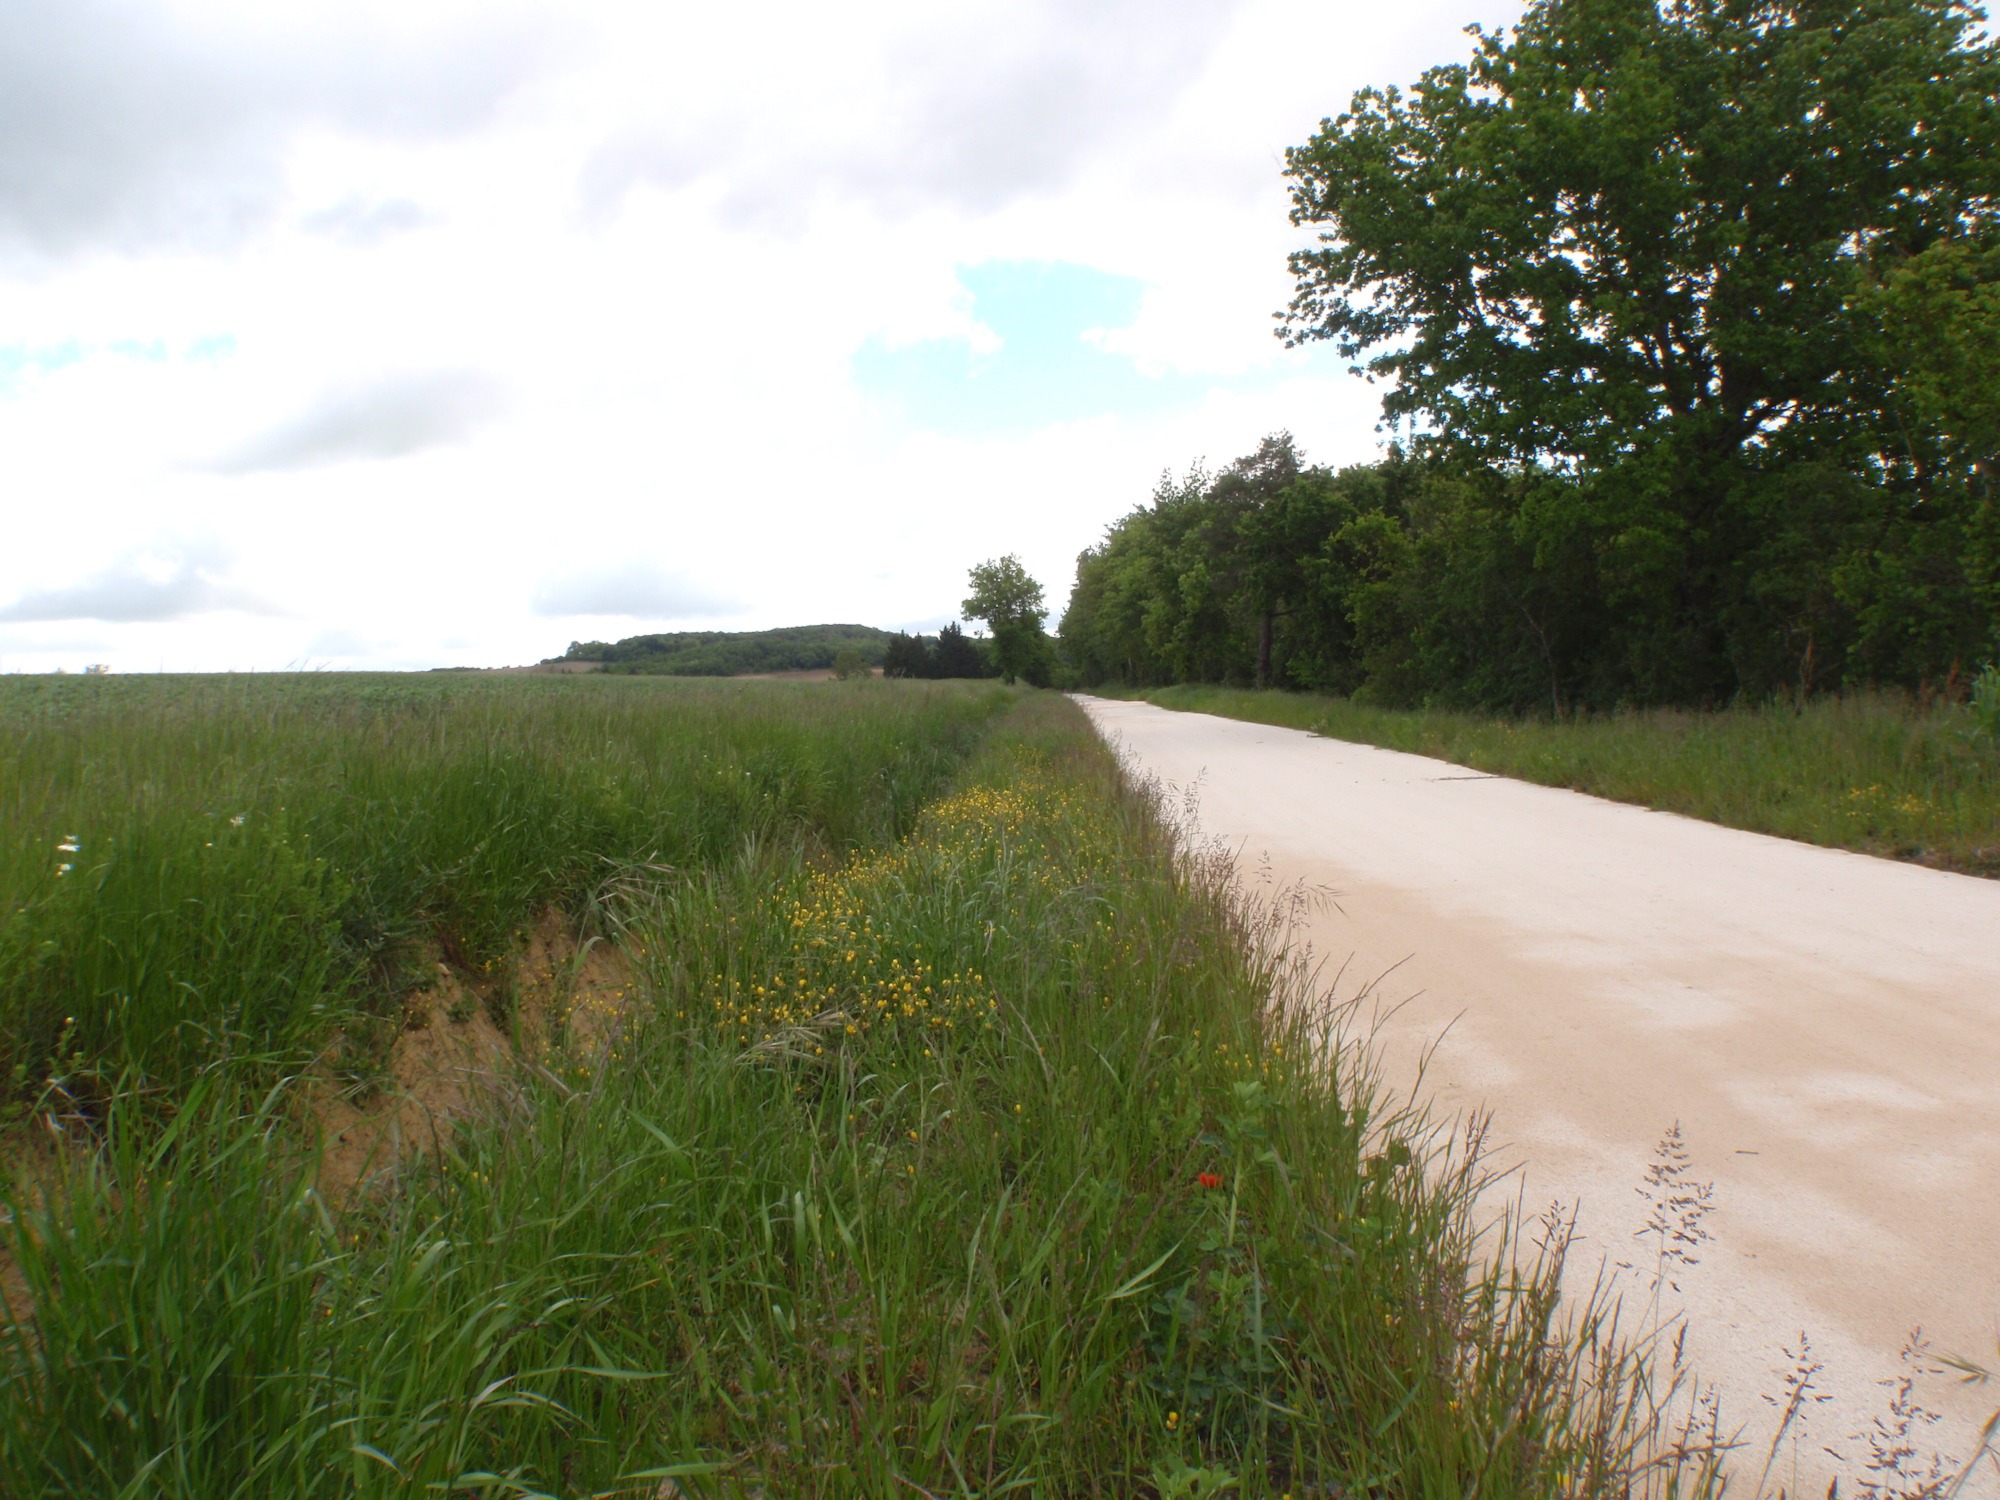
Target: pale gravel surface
(1824,1026)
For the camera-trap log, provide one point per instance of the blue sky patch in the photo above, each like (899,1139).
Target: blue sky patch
(1044,370)
(211,346)
(17,360)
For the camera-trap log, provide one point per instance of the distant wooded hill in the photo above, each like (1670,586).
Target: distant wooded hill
(732,653)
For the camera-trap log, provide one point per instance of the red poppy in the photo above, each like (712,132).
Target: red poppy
(1209,1180)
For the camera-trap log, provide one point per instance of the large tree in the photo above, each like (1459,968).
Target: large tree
(1010,602)
(1674,253)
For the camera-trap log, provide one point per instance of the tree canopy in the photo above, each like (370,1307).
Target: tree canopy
(1010,602)
(729,653)
(1713,288)
(951,653)
(1412,580)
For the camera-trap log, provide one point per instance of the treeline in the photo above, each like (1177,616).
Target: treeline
(1410,581)
(1690,315)
(733,653)
(949,653)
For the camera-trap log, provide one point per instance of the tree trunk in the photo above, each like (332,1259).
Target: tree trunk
(1264,649)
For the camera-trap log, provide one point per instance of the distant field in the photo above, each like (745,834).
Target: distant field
(931,1129)
(1875,773)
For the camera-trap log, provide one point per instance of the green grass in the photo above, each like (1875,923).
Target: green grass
(197,869)
(970,1161)
(1877,773)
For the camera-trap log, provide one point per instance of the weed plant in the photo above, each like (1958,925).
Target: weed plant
(975,1163)
(1875,772)
(194,869)
(1984,702)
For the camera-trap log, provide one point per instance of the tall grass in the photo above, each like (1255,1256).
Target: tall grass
(194,869)
(1879,773)
(974,1163)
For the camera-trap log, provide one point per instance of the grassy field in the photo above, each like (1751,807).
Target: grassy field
(1879,774)
(949,1143)
(196,869)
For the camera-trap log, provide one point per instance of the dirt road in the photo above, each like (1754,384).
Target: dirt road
(1824,1027)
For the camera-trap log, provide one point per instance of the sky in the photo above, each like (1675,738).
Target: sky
(447,332)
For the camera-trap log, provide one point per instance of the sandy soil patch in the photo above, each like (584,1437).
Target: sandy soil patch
(453,1059)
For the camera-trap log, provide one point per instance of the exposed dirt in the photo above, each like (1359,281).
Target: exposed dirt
(573,994)
(452,1058)
(439,1069)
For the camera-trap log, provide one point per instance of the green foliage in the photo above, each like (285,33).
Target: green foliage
(957,655)
(1123,1221)
(1986,703)
(1010,602)
(948,654)
(1420,581)
(198,869)
(906,656)
(1933,321)
(734,653)
(847,664)
(1673,276)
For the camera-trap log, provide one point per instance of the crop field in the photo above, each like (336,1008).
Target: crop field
(896,1109)
(1876,772)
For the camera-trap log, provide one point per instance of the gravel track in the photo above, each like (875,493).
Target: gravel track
(1824,1027)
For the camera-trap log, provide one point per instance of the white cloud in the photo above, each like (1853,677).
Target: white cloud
(967,106)
(149,588)
(133,125)
(456,318)
(633,590)
(390,418)
(356,222)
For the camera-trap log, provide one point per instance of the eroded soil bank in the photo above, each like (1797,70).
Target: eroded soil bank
(460,1041)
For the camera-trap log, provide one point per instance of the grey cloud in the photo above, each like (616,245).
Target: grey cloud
(389,419)
(130,592)
(123,125)
(655,157)
(980,112)
(1018,106)
(633,589)
(360,222)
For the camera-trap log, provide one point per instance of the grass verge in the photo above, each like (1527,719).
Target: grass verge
(1877,773)
(976,1162)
